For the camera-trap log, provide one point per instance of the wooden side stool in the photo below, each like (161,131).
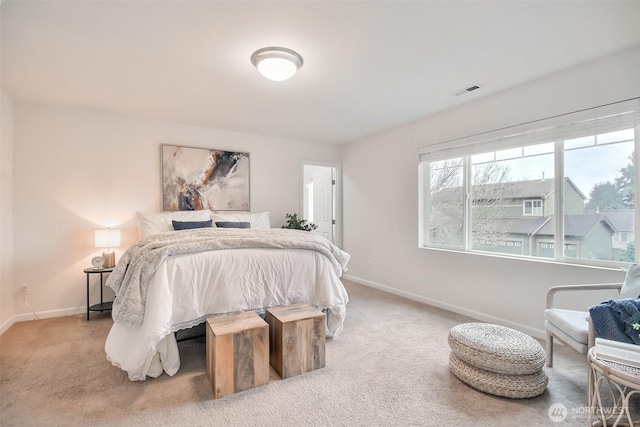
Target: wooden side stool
(296,339)
(237,352)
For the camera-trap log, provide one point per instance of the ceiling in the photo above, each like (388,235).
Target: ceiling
(368,66)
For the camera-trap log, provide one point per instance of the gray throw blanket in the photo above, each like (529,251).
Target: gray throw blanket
(617,320)
(130,279)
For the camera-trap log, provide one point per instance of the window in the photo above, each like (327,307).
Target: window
(533,207)
(498,193)
(446,216)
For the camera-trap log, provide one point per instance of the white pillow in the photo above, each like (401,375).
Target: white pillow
(631,286)
(256,219)
(154,223)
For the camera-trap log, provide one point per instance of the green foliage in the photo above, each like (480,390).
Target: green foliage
(625,183)
(298,224)
(629,255)
(605,197)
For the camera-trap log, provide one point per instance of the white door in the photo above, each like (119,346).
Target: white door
(319,198)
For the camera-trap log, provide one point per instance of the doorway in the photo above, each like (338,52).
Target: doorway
(320,198)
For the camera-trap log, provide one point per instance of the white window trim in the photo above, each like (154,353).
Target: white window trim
(586,122)
(535,210)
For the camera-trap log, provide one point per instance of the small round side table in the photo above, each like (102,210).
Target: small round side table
(103,306)
(623,382)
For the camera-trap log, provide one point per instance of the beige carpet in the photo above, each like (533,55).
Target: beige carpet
(388,368)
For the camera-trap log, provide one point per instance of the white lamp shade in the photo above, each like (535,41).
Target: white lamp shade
(107,238)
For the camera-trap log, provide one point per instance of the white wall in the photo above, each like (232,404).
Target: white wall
(7,288)
(380,187)
(78,170)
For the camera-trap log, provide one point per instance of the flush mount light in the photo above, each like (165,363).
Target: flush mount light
(277,63)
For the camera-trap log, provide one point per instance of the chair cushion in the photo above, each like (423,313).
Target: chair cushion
(631,285)
(566,339)
(573,323)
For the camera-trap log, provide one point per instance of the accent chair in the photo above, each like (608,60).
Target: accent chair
(572,327)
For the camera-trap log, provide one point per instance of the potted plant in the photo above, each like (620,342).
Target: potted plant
(298,224)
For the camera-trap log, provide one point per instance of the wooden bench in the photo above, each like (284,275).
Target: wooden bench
(296,339)
(237,352)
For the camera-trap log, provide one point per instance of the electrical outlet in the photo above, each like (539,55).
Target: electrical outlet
(24,290)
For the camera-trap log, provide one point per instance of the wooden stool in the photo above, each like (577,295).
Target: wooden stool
(296,339)
(237,352)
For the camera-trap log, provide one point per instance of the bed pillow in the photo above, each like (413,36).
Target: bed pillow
(255,219)
(232,224)
(160,222)
(631,285)
(188,225)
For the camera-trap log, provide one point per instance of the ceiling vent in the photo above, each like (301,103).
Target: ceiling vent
(467,90)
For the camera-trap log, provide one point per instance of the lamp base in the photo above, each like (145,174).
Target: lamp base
(109,258)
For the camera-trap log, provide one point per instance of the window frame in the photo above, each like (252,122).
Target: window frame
(597,120)
(535,210)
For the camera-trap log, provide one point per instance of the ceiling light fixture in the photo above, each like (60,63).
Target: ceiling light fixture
(277,63)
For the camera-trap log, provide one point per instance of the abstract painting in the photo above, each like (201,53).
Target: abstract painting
(199,178)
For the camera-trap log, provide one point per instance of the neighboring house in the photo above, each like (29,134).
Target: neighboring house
(623,221)
(517,218)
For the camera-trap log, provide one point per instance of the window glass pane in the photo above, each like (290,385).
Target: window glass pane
(533,207)
(599,199)
(539,149)
(509,154)
(481,158)
(446,216)
(512,203)
(621,135)
(584,141)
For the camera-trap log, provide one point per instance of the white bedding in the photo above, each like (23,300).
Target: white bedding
(186,289)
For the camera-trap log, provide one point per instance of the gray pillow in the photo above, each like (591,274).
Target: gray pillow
(187,225)
(232,224)
(631,286)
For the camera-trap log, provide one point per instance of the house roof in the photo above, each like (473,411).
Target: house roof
(574,225)
(524,225)
(622,220)
(531,189)
(577,225)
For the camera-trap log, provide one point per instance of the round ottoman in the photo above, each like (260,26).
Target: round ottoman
(497,360)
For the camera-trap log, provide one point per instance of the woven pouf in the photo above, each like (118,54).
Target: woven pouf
(497,360)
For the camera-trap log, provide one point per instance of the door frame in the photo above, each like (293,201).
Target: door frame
(337,197)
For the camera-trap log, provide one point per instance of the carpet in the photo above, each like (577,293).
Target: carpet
(389,367)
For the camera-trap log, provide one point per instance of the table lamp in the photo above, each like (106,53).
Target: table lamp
(109,239)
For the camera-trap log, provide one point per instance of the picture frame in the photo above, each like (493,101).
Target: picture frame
(202,178)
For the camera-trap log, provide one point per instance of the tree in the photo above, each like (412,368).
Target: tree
(447,201)
(605,197)
(625,183)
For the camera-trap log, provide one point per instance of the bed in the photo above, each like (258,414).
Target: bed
(174,279)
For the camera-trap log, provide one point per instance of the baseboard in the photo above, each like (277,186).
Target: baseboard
(24,317)
(7,324)
(536,333)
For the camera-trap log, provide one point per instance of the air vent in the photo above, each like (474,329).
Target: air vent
(467,90)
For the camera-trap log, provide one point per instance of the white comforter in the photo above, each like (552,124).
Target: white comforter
(187,288)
